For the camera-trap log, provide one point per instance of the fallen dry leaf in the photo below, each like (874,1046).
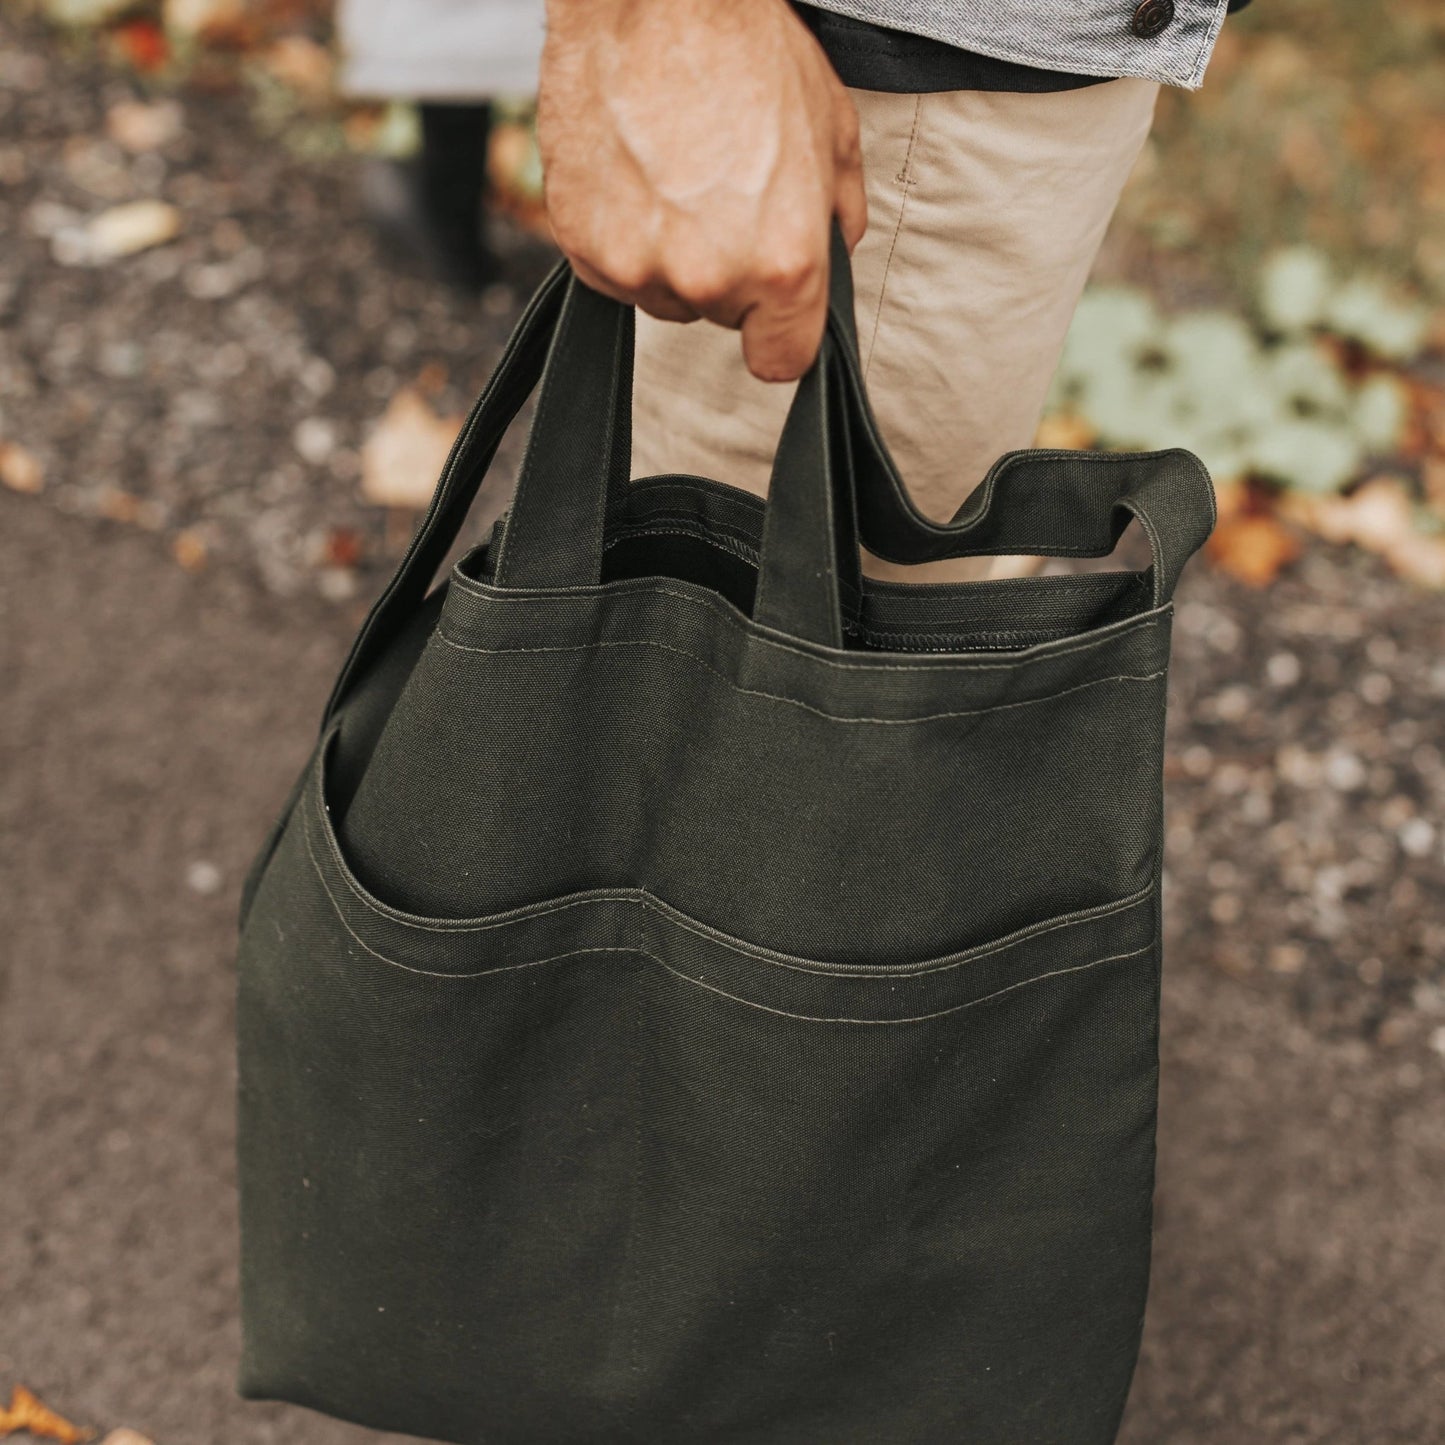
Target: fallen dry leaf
(1380,517)
(1065,431)
(342,547)
(404,455)
(189,549)
(298,61)
(1253,548)
(1419,559)
(135,226)
(1376,516)
(125,1436)
(509,164)
(26,1412)
(138,126)
(19,470)
(1231,499)
(142,44)
(203,18)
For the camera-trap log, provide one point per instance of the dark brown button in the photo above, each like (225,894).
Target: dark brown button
(1151,17)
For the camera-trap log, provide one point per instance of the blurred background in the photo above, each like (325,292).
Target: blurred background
(230,369)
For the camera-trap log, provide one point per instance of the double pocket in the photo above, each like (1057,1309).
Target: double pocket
(587,1157)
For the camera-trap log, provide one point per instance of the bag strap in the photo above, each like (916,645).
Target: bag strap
(511,383)
(1036,502)
(833,481)
(553,532)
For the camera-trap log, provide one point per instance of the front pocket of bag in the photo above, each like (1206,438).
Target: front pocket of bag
(909,1205)
(587,1168)
(438,1153)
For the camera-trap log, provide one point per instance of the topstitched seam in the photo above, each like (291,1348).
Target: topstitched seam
(711,988)
(905,181)
(640,896)
(794,702)
(911,1019)
(741,624)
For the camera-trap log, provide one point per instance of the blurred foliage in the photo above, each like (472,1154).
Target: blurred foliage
(1320,122)
(1301,195)
(1301,393)
(1289,219)
(1317,409)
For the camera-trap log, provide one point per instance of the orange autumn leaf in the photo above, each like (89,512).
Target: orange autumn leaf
(26,1412)
(143,44)
(405,453)
(342,547)
(1231,498)
(1065,431)
(1252,548)
(509,155)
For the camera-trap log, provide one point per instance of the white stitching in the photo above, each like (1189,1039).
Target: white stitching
(915,1018)
(710,988)
(794,702)
(528,912)
(640,896)
(729,614)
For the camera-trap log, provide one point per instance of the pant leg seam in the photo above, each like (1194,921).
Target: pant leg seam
(906,180)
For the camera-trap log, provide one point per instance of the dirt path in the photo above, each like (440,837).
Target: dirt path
(151,725)
(150,721)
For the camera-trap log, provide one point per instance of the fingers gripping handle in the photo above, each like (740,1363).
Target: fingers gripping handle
(834,481)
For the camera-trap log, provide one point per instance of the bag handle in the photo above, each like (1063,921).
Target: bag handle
(1036,501)
(511,383)
(833,481)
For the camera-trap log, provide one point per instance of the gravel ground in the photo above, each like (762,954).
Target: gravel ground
(218,389)
(204,403)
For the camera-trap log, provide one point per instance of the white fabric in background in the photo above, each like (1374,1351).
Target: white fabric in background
(439,49)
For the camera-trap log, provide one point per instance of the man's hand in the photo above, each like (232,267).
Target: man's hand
(695,153)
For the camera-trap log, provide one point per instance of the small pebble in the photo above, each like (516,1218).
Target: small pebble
(1283,669)
(315,439)
(1233,704)
(1286,958)
(1345,772)
(1376,688)
(336,584)
(1197,761)
(1226,908)
(203,878)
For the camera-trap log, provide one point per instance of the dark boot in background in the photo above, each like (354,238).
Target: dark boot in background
(432,207)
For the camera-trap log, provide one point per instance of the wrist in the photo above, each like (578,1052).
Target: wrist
(583,17)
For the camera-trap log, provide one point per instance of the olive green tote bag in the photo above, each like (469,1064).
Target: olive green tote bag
(697,993)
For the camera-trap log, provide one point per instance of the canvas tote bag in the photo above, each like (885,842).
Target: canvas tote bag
(697,993)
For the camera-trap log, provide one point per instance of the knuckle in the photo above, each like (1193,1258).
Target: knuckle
(627,271)
(701,282)
(790,269)
(623,270)
(784,355)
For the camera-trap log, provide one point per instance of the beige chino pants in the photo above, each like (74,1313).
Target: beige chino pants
(985,213)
